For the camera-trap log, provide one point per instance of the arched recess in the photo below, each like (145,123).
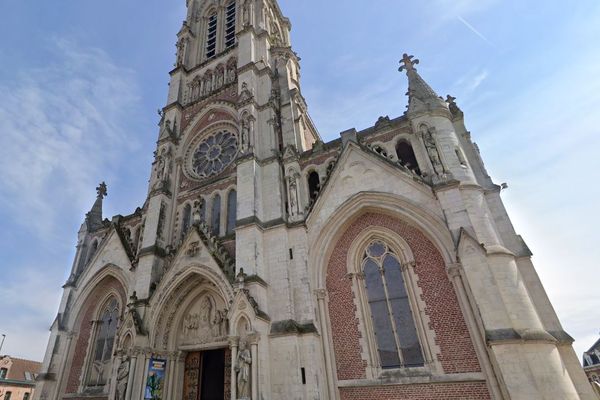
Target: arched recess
(178,294)
(325,231)
(108,283)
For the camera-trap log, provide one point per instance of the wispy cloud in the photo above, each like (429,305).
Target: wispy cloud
(62,125)
(475,31)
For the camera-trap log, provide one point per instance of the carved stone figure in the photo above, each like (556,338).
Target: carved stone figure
(220,323)
(122,378)
(246,13)
(181,47)
(432,150)
(242,369)
(293,195)
(163,168)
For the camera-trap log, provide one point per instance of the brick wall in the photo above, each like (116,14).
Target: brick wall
(452,336)
(445,391)
(85,327)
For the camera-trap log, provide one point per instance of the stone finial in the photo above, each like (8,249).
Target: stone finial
(408,63)
(102,190)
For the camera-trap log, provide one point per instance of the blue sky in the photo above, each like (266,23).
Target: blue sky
(80,84)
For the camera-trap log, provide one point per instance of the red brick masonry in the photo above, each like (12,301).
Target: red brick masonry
(85,327)
(452,336)
(441,391)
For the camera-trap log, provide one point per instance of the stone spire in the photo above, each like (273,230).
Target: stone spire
(94,217)
(421,97)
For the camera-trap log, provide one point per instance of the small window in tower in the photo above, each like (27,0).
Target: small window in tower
(461,157)
(8,395)
(215,224)
(211,37)
(231,212)
(314,185)
(230,24)
(3,373)
(26,396)
(406,156)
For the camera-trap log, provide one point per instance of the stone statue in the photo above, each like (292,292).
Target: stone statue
(181,45)
(246,13)
(220,323)
(293,195)
(242,369)
(432,150)
(122,378)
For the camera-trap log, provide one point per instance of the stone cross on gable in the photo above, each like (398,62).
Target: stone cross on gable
(408,63)
(102,190)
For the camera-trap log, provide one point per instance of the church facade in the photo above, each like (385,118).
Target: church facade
(266,264)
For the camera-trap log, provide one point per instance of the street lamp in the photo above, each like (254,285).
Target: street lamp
(2,343)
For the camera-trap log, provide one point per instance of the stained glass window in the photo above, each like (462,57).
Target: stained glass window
(106,331)
(216,216)
(214,154)
(231,211)
(186,220)
(393,323)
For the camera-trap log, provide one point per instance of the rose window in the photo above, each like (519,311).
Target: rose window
(214,154)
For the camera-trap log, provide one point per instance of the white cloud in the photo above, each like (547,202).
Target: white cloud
(62,127)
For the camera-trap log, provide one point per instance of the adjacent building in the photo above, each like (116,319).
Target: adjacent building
(267,264)
(591,365)
(17,378)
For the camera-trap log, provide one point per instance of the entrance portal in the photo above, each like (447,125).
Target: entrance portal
(208,375)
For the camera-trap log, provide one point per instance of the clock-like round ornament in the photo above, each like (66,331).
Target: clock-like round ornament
(214,154)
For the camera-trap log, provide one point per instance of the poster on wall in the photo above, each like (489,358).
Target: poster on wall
(155,380)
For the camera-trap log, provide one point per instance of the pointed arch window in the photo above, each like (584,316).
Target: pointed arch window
(392,318)
(93,249)
(314,185)
(406,156)
(105,331)
(230,16)
(186,221)
(215,222)
(231,212)
(211,35)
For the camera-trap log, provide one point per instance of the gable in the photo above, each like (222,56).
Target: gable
(360,171)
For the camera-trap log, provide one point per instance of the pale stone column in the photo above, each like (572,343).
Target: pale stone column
(130,377)
(233,343)
(178,371)
(63,365)
(455,274)
(171,366)
(254,339)
(327,351)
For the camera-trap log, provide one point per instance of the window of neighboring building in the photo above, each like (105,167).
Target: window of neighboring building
(215,221)
(26,396)
(7,395)
(211,36)
(231,211)
(3,373)
(230,24)
(393,323)
(104,338)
